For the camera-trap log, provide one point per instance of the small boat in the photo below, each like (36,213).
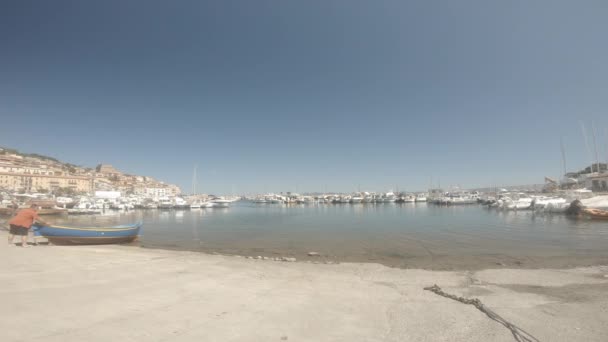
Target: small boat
(62,235)
(595,213)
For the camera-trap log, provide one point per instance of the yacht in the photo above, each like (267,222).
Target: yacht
(151,205)
(207,204)
(357,198)
(408,199)
(165,203)
(220,203)
(180,203)
(421,198)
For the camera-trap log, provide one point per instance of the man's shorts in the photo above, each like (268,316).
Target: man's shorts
(18,230)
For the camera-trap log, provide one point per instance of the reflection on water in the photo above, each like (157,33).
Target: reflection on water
(362,231)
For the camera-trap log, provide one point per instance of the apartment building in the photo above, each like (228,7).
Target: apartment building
(30,182)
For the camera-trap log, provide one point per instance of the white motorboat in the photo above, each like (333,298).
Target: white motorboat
(165,203)
(408,199)
(368,199)
(180,203)
(597,202)
(151,205)
(420,198)
(541,203)
(218,203)
(356,199)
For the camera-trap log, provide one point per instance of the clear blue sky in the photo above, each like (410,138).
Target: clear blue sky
(303,95)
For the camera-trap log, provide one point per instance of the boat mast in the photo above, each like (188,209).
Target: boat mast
(194,179)
(597,160)
(587,144)
(561,143)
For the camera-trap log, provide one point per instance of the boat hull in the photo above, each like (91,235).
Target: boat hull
(596,213)
(89,236)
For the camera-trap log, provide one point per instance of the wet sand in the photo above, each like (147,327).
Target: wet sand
(126,293)
(414,257)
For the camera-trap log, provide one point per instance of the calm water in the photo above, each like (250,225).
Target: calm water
(396,234)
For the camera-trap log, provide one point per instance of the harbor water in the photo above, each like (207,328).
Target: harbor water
(400,235)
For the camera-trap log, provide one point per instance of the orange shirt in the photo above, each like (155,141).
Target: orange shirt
(24,218)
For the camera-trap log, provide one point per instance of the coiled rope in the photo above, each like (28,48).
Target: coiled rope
(519,334)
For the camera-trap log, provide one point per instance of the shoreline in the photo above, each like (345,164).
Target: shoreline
(115,292)
(430,263)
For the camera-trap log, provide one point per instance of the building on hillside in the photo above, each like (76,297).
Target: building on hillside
(173,190)
(102,184)
(156,192)
(12,168)
(29,182)
(107,170)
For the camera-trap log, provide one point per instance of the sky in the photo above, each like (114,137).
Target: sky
(316,95)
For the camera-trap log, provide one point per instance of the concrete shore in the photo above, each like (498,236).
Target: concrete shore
(125,293)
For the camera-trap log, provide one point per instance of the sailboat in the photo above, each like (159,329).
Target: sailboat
(196,204)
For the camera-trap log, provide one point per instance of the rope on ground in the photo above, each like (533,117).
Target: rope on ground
(519,334)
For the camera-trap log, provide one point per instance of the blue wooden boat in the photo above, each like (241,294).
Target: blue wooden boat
(62,235)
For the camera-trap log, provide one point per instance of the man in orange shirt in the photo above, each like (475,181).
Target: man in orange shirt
(22,222)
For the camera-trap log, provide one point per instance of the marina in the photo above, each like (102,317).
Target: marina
(327,171)
(404,235)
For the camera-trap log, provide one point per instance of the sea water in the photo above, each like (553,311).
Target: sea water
(390,233)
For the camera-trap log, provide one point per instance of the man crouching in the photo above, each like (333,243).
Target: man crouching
(21,224)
